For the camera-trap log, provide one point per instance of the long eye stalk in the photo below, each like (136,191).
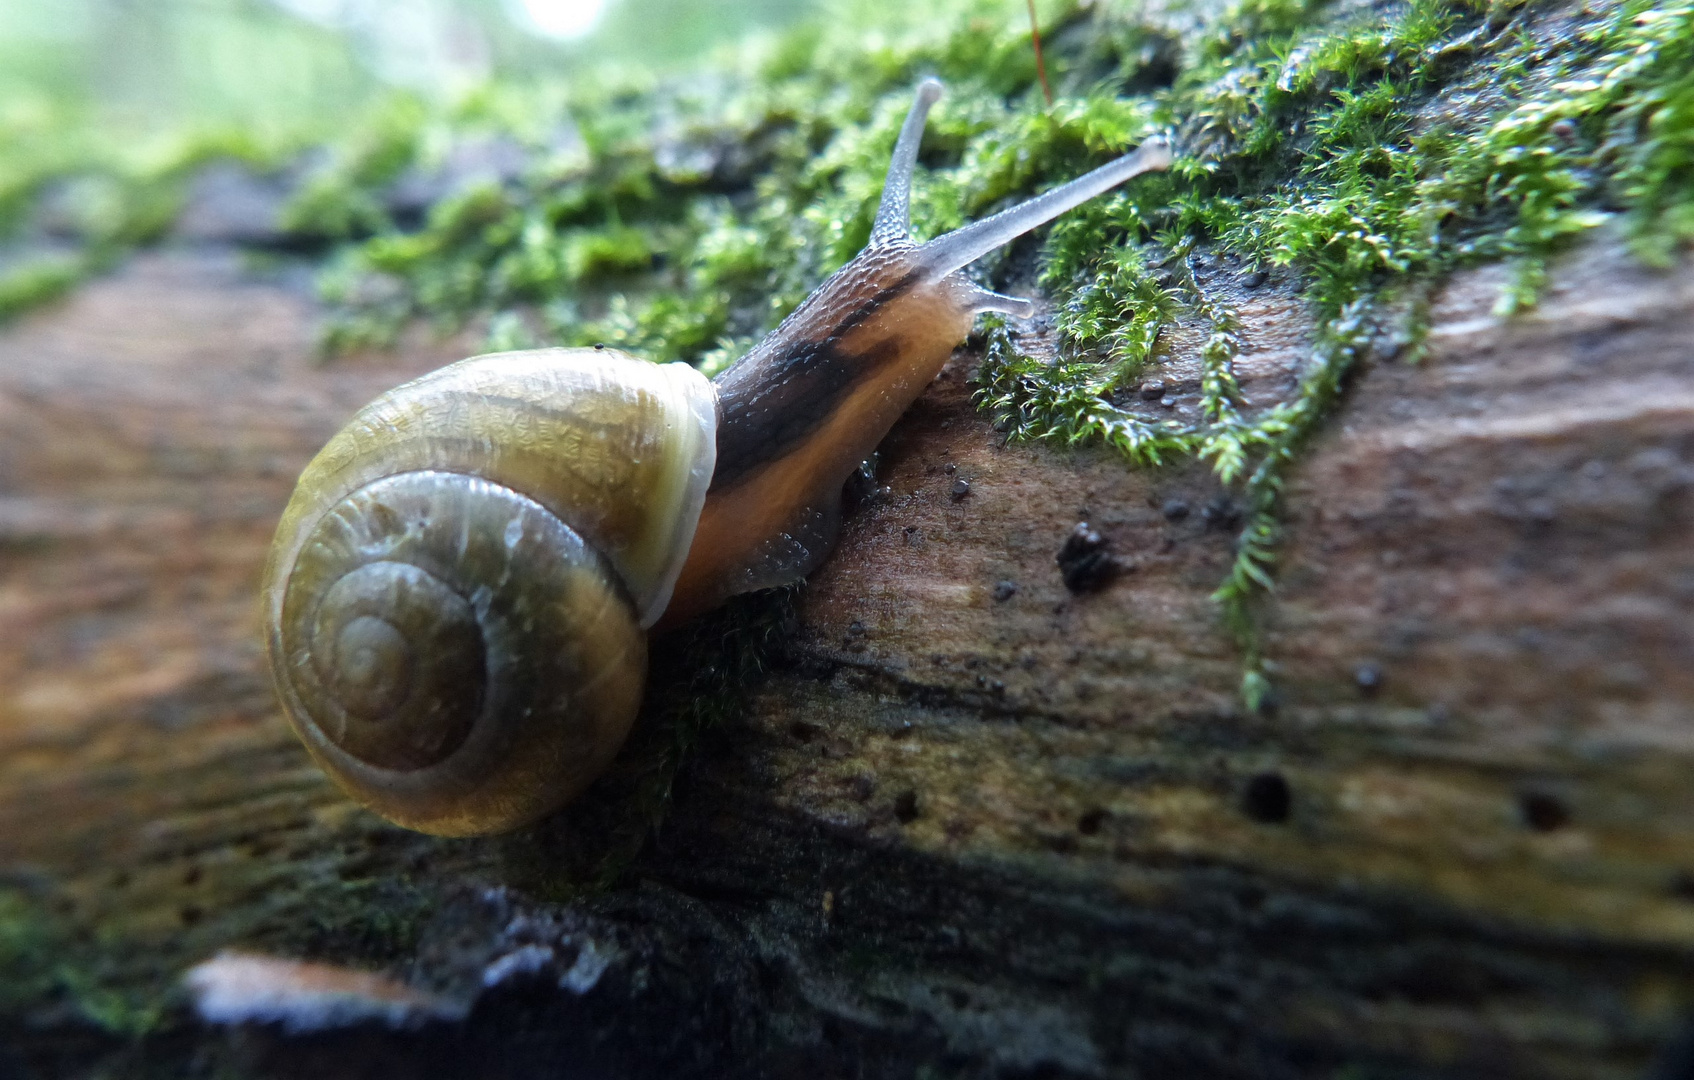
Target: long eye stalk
(961,247)
(956,250)
(894,214)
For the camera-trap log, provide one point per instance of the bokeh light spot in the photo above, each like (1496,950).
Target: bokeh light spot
(562,18)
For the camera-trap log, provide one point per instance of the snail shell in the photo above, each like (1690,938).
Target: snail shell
(459,591)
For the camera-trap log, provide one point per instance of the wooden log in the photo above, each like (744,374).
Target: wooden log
(968,821)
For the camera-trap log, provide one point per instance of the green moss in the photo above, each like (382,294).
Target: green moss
(1330,151)
(105,202)
(361,919)
(681,222)
(38,280)
(41,962)
(27,946)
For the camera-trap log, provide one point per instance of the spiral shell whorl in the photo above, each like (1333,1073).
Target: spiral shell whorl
(366,642)
(455,655)
(454,625)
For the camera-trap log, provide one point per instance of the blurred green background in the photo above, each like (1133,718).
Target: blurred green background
(109,108)
(291,68)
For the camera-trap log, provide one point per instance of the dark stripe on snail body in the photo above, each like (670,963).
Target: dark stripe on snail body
(764,418)
(458,595)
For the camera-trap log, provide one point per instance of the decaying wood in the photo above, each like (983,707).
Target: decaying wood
(970,822)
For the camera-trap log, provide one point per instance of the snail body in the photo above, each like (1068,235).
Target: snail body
(458,596)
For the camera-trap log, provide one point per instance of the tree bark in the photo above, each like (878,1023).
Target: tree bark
(968,823)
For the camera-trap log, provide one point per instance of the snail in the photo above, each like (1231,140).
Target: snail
(459,592)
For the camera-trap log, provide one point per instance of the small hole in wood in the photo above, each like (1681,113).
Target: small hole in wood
(1268,798)
(906,807)
(1543,812)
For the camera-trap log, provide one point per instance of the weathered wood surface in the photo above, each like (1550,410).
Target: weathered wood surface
(1029,835)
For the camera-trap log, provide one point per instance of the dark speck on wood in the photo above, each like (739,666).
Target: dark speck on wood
(1221,513)
(1682,885)
(1085,564)
(1267,798)
(804,731)
(1543,812)
(906,807)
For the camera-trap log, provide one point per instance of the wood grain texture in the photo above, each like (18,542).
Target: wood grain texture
(969,822)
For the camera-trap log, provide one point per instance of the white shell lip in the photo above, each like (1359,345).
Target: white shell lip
(695,414)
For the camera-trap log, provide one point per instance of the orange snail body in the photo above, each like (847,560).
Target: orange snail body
(458,596)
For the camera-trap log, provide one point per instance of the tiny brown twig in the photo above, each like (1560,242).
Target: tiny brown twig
(1040,64)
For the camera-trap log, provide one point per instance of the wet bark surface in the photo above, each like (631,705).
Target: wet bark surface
(968,822)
